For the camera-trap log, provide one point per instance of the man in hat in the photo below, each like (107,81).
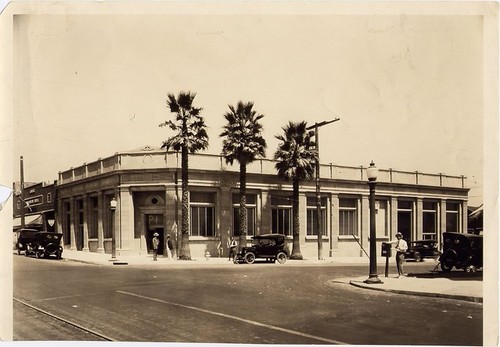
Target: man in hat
(156,244)
(401,247)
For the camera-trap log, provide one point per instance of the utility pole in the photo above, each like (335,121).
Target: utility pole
(316,127)
(23,223)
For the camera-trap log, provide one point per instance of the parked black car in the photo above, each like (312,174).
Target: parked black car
(462,251)
(270,247)
(418,250)
(45,244)
(24,237)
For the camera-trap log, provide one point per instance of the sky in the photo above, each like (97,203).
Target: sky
(408,89)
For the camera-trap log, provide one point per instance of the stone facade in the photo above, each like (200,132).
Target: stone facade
(146,184)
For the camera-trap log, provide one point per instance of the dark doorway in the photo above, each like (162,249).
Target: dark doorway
(154,224)
(405,224)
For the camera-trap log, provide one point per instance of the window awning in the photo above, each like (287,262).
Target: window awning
(32,220)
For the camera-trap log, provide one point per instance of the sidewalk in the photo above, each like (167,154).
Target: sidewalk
(454,285)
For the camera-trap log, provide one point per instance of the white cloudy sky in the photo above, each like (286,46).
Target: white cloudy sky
(408,88)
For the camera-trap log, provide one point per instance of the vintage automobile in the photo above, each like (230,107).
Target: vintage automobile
(462,251)
(418,250)
(270,247)
(45,244)
(24,237)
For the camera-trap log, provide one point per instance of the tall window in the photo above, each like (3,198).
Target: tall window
(202,214)
(405,218)
(348,217)
(251,214)
(452,215)
(429,220)
(93,218)
(281,216)
(312,217)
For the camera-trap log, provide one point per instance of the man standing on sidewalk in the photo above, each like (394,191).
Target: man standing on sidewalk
(401,247)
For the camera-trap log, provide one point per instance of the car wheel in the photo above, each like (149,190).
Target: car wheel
(418,257)
(470,269)
(249,258)
(281,257)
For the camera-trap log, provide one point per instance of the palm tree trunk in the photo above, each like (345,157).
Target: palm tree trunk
(296,254)
(243,206)
(185,252)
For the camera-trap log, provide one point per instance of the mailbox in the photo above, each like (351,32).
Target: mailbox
(386,249)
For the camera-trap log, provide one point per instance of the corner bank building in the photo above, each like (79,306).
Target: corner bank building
(146,185)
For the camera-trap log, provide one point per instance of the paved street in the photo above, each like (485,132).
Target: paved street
(260,303)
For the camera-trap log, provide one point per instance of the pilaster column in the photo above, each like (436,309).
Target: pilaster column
(125,219)
(303,220)
(442,220)
(100,223)
(334,222)
(266,220)
(419,219)
(364,222)
(59,220)
(226,216)
(393,226)
(465,221)
(72,228)
(86,216)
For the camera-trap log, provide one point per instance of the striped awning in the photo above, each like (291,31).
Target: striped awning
(31,220)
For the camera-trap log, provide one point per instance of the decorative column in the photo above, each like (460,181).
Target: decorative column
(365,223)
(86,216)
(73,215)
(442,220)
(59,219)
(125,220)
(100,223)
(334,220)
(419,219)
(465,220)
(393,218)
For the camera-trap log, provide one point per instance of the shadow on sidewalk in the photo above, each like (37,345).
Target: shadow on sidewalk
(458,275)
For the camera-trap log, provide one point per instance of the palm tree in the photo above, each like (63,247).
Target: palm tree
(243,142)
(191,137)
(296,156)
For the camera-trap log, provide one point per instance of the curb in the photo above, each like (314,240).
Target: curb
(409,292)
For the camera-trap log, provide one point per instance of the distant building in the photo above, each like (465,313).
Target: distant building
(146,184)
(38,201)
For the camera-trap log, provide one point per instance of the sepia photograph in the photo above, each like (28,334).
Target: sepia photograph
(268,172)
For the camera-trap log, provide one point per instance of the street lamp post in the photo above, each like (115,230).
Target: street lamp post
(112,207)
(316,127)
(372,173)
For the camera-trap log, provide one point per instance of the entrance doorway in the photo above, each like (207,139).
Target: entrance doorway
(405,224)
(154,224)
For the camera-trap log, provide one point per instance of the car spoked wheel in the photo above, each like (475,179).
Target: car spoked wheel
(470,269)
(281,257)
(249,258)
